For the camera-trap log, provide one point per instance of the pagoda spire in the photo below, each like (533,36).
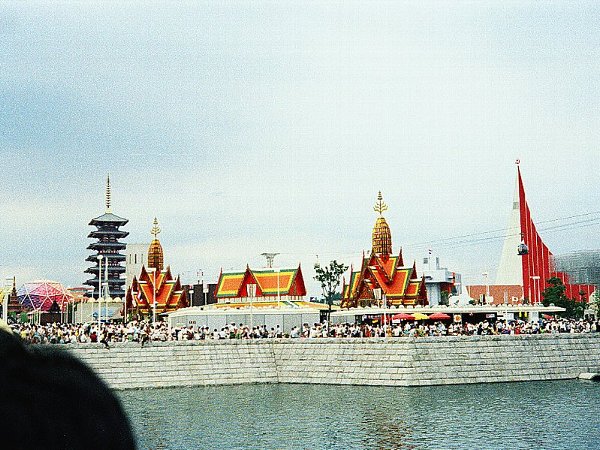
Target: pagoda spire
(381,237)
(108,193)
(155,251)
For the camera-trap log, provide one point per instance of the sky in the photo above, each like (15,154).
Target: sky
(251,127)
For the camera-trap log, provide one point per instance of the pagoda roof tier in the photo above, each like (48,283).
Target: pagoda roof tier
(98,234)
(111,269)
(113,282)
(113,293)
(103,245)
(113,256)
(109,218)
(115,289)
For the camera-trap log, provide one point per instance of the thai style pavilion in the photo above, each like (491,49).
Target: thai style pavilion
(155,285)
(383,279)
(264,287)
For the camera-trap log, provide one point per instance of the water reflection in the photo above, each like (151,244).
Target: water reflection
(561,414)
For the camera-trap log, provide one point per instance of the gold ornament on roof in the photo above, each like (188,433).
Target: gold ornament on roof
(155,251)
(382,236)
(155,228)
(380,206)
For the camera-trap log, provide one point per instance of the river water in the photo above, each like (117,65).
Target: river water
(532,415)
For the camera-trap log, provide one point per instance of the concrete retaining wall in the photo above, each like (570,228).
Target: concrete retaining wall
(392,362)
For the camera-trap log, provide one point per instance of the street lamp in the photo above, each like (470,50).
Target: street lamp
(251,289)
(536,289)
(99,289)
(378,295)
(487,286)
(385,321)
(106,290)
(153,269)
(278,270)
(133,299)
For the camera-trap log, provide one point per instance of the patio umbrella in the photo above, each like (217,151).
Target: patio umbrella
(402,316)
(419,316)
(439,316)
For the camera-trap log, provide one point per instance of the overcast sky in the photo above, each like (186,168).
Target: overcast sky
(248,127)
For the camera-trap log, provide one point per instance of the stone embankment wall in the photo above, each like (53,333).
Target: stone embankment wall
(391,362)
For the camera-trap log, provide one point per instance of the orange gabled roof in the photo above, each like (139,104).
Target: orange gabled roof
(397,287)
(413,288)
(269,282)
(387,265)
(168,293)
(229,284)
(354,280)
(272,282)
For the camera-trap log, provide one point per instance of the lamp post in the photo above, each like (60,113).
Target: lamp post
(99,289)
(377,294)
(191,291)
(106,290)
(251,288)
(133,299)
(536,294)
(385,322)
(487,286)
(153,269)
(278,271)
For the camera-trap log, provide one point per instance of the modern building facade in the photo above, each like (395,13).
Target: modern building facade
(530,270)
(136,256)
(439,279)
(583,267)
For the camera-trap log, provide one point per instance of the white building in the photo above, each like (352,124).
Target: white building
(439,279)
(136,257)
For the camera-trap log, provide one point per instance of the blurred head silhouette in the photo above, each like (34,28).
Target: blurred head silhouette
(49,399)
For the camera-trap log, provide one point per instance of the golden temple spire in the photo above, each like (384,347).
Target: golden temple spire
(380,206)
(155,251)
(382,236)
(108,193)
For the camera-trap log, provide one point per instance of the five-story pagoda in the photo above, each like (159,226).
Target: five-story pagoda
(107,250)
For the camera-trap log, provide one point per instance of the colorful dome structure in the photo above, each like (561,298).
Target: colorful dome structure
(41,295)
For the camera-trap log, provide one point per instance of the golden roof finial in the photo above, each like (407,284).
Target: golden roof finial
(155,228)
(380,206)
(108,193)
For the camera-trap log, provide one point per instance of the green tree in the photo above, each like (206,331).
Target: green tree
(330,278)
(555,295)
(444,298)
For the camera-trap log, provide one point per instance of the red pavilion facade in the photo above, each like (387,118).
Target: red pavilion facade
(155,290)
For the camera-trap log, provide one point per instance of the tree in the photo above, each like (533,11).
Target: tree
(444,298)
(330,278)
(555,295)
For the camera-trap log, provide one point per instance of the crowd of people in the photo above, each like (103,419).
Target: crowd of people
(144,332)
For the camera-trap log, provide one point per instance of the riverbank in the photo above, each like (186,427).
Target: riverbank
(375,361)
